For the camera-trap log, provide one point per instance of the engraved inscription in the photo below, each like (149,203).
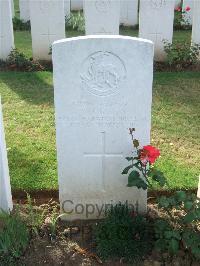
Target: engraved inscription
(158,3)
(102,5)
(103,73)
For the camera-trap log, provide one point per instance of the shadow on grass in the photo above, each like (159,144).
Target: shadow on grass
(30,173)
(34,87)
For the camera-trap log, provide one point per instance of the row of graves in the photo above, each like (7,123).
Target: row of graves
(156,18)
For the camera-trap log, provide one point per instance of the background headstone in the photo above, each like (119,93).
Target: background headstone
(76,5)
(6,29)
(129,12)
(102,87)
(67,8)
(198,191)
(156,24)
(188,15)
(12,8)
(47,26)
(24,10)
(102,17)
(5,190)
(196,23)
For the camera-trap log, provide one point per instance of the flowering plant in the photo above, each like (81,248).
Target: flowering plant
(180,19)
(141,166)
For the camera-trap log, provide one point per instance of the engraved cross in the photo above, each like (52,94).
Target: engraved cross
(48,35)
(103,155)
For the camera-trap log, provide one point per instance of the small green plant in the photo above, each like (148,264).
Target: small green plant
(76,21)
(19,61)
(181,55)
(123,234)
(21,25)
(180,18)
(35,217)
(181,230)
(14,238)
(141,172)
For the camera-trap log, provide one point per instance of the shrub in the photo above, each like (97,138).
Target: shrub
(123,234)
(180,21)
(18,61)
(181,230)
(181,55)
(14,237)
(19,24)
(76,21)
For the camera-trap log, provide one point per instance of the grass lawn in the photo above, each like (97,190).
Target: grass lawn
(30,130)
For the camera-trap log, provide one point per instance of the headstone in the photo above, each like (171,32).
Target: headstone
(102,17)
(156,24)
(129,12)
(47,26)
(5,190)
(77,5)
(102,87)
(24,10)
(67,8)
(188,14)
(196,23)
(198,191)
(6,29)
(12,8)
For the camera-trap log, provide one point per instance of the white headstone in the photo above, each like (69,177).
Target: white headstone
(156,23)
(47,26)
(188,14)
(24,10)
(102,17)
(67,8)
(198,191)
(196,23)
(5,190)
(102,87)
(12,8)
(129,12)
(6,29)
(76,5)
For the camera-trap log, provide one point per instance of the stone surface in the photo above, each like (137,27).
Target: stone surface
(24,10)
(67,7)
(5,190)
(102,87)
(12,8)
(129,12)
(196,23)
(76,5)
(156,24)
(47,26)
(198,192)
(188,15)
(102,17)
(6,29)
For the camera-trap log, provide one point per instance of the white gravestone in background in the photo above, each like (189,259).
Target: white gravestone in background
(188,15)
(77,5)
(24,10)
(5,190)
(6,29)
(196,23)
(156,24)
(102,87)
(12,8)
(67,8)
(47,26)
(129,12)
(102,17)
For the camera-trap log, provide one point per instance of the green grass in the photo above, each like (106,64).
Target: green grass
(30,130)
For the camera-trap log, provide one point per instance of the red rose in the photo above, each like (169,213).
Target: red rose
(149,154)
(178,9)
(187,8)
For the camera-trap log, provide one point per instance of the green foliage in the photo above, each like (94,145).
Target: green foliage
(181,54)
(182,229)
(35,217)
(21,25)
(76,21)
(14,237)
(18,61)
(123,233)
